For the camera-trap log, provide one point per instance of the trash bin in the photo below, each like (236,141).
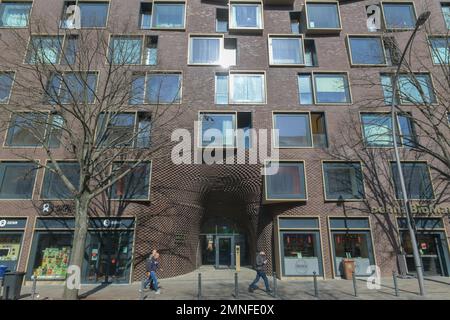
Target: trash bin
(12,285)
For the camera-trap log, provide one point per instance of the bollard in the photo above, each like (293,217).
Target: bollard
(33,287)
(275,287)
(394,277)
(142,289)
(236,286)
(199,286)
(355,289)
(316,288)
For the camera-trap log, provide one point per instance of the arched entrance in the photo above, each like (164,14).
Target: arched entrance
(219,238)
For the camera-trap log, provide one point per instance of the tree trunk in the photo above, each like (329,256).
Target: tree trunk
(79,240)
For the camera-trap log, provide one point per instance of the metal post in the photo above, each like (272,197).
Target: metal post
(33,287)
(275,287)
(316,288)
(142,289)
(236,286)
(199,286)
(355,289)
(394,277)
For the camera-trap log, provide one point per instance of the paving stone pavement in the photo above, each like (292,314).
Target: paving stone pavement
(220,285)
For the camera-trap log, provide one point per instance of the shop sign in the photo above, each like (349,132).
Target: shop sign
(111,223)
(12,223)
(48,208)
(416,210)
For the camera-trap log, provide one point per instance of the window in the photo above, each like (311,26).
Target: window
(44,49)
(70,50)
(124,129)
(125,50)
(323,15)
(417,180)
(295,18)
(343,179)
(310,53)
(135,185)
(151,50)
(17,180)
(399,15)
(319,130)
(366,50)
(93,14)
(72,87)
(246,16)
(218,129)
(328,88)
(168,15)
(440,50)
(391,50)
(156,88)
(221,96)
(285,181)
(6,82)
(146,15)
(53,186)
(446,13)
(377,130)
(221,20)
(244,125)
(294,130)
(412,89)
(286,50)
(32,129)
(247,88)
(205,50)
(14,14)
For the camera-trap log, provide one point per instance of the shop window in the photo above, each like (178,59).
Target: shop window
(6,82)
(328,88)
(294,130)
(156,88)
(145,15)
(285,181)
(440,50)
(377,130)
(413,89)
(53,186)
(72,87)
(135,185)
(366,50)
(322,16)
(221,20)
(286,50)
(10,245)
(17,180)
(422,223)
(44,50)
(446,13)
(295,18)
(93,14)
(218,129)
(246,15)
(32,129)
(168,15)
(70,50)
(319,130)
(343,180)
(399,15)
(310,53)
(247,88)
(124,129)
(417,180)
(14,14)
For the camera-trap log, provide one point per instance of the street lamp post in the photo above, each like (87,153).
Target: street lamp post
(417,260)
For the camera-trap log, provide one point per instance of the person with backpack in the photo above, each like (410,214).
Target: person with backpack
(261,262)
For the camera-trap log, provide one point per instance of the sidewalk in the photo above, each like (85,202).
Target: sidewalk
(219,284)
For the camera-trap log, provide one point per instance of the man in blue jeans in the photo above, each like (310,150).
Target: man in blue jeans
(152,265)
(261,261)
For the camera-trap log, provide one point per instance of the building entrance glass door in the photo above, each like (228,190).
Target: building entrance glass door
(224,251)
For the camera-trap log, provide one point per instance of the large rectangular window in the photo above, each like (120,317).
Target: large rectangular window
(366,50)
(6,82)
(133,186)
(413,89)
(247,88)
(156,88)
(245,15)
(53,186)
(417,180)
(125,50)
(440,49)
(168,15)
(322,15)
(218,129)
(14,14)
(377,130)
(286,50)
(17,180)
(44,49)
(294,130)
(205,50)
(285,181)
(328,88)
(343,180)
(446,13)
(399,15)
(72,87)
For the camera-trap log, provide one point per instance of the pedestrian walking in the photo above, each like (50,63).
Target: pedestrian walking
(152,266)
(261,262)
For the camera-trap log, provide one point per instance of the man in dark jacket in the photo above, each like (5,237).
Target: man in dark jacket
(152,265)
(261,262)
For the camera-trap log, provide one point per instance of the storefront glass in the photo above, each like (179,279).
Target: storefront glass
(10,243)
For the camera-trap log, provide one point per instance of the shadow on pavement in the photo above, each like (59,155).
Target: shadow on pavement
(94,290)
